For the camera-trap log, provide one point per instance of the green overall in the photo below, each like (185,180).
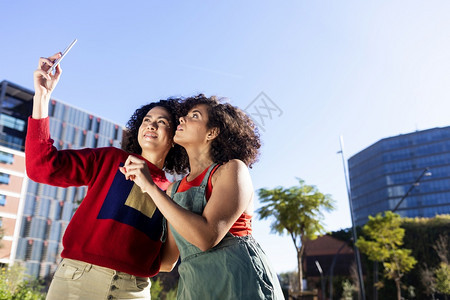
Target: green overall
(236,268)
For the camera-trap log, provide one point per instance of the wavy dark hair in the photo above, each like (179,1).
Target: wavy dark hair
(176,160)
(238,136)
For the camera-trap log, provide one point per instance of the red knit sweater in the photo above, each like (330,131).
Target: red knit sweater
(116,226)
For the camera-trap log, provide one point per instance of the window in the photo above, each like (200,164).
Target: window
(52,108)
(97,126)
(95,140)
(52,252)
(44,252)
(4,178)
(13,142)
(2,200)
(116,131)
(6,158)
(90,122)
(55,232)
(28,250)
(11,122)
(47,229)
(83,138)
(21,248)
(38,226)
(26,225)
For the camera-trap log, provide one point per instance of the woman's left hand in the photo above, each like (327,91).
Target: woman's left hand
(136,169)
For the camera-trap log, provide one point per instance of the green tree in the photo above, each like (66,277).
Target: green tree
(156,288)
(348,289)
(15,285)
(29,290)
(428,238)
(442,272)
(171,294)
(297,211)
(386,238)
(443,279)
(10,279)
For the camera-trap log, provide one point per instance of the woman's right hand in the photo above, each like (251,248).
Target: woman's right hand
(45,83)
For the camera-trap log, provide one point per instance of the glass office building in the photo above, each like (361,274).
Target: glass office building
(409,174)
(15,107)
(46,210)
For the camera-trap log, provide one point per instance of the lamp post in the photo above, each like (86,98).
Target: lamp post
(362,292)
(322,282)
(425,172)
(331,271)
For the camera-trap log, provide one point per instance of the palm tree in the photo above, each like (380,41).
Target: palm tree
(298,211)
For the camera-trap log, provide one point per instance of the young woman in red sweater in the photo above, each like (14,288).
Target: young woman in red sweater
(210,214)
(113,242)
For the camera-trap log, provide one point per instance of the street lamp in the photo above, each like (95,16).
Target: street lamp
(322,282)
(362,292)
(425,172)
(331,271)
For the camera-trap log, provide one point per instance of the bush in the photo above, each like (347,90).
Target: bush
(157,290)
(13,285)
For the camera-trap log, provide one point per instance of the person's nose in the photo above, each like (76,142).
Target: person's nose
(152,125)
(182,120)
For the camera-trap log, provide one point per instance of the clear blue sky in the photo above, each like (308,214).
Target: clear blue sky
(362,69)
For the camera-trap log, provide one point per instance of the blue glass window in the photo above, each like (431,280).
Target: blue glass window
(12,122)
(4,178)
(6,158)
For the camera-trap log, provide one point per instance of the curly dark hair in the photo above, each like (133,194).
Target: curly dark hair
(238,136)
(176,160)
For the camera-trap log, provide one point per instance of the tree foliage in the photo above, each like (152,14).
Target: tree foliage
(156,289)
(424,236)
(428,280)
(443,271)
(385,237)
(438,279)
(298,211)
(443,278)
(15,285)
(348,290)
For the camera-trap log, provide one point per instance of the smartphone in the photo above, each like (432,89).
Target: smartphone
(62,56)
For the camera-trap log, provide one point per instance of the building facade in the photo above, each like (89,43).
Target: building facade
(335,259)
(13,184)
(40,213)
(408,174)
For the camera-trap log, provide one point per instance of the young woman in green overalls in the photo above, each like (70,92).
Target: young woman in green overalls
(210,214)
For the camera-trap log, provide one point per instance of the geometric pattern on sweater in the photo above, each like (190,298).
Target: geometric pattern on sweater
(141,201)
(124,203)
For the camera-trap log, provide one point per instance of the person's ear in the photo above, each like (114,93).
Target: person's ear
(212,134)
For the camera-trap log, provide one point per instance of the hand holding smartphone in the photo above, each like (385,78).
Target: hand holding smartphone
(62,56)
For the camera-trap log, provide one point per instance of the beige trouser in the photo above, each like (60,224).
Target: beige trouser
(75,280)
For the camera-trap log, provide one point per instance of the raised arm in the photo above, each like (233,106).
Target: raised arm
(232,194)
(44,163)
(44,84)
